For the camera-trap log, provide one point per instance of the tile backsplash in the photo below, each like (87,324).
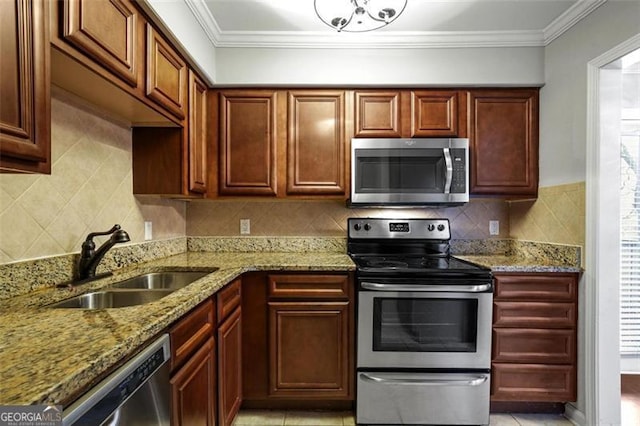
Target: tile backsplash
(89,189)
(329,218)
(557,216)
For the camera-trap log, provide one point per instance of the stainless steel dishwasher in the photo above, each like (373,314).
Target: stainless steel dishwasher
(138,393)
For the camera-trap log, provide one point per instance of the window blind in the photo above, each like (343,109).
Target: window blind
(630,243)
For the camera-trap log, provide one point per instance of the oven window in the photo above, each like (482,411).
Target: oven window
(398,174)
(425,325)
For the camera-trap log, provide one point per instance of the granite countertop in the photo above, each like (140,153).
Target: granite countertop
(49,355)
(504,263)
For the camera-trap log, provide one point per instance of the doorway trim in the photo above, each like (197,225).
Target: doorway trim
(602,311)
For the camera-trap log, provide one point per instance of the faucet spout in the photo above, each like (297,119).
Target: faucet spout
(90,257)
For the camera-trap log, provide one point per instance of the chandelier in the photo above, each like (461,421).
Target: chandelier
(358,15)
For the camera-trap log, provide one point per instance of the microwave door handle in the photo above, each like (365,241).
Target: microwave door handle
(481,288)
(426,380)
(449,174)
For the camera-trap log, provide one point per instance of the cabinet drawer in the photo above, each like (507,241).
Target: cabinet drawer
(309,286)
(534,345)
(191,332)
(534,314)
(533,382)
(526,287)
(228,299)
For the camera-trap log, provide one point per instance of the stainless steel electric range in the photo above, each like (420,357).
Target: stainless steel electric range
(423,326)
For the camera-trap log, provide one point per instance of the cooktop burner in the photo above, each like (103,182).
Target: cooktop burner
(412,264)
(405,247)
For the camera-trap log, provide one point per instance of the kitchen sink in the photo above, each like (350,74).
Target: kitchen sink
(112,299)
(166,280)
(134,291)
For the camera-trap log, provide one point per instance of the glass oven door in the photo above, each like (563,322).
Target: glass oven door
(403,329)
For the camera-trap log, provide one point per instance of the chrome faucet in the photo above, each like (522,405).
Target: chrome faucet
(90,257)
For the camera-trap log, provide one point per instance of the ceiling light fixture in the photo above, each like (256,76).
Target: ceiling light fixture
(358,15)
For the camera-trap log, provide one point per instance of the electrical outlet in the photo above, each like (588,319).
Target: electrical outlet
(148,230)
(494,227)
(245,226)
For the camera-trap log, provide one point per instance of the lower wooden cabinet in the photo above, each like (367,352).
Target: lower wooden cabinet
(298,340)
(229,354)
(309,349)
(193,389)
(534,337)
(533,382)
(193,368)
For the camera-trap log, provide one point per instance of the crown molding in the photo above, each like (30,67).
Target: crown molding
(569,18)
(205,18)
(389,39)
(395,40)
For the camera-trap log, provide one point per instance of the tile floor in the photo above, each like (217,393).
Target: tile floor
(337,418)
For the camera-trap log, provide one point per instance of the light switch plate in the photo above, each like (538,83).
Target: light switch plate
(245,226)
(494,227)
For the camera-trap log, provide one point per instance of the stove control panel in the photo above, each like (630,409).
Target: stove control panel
(430,229)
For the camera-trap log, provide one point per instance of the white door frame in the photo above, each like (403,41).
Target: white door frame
(602,305)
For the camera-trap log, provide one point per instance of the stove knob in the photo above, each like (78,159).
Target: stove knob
(357,227)
(367,227)
(441,227)
(431,227)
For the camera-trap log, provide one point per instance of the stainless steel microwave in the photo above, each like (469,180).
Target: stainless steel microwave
(409,172)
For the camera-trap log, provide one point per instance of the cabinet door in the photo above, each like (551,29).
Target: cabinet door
(247,143)
(106,30)
(533,382)
(504,142)
(197,134)
(230,368)
(377,114)
(193,389)
(434,113)
(25,119)
(309,350)
(316,143)
(166,74)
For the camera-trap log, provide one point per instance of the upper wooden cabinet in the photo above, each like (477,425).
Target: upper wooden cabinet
(108,52)
(106,30)
(316,142)
(282,143)
(410,114)
(173,161)
(435,113)
(166,74)
(247,142)
(377,114)
(503,137)
(197,126)
(25,120)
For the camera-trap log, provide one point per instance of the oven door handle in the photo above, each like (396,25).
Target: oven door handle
(480,288)
(427,380)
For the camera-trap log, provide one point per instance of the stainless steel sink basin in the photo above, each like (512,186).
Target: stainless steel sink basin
(112,299)
(167,280)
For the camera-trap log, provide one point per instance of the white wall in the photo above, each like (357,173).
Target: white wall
(563,116)
(563,99)
(521,66)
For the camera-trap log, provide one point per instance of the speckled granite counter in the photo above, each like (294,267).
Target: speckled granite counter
(499,263)
(48,355)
